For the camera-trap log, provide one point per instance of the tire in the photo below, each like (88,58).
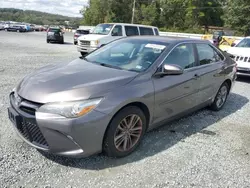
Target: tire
(114,148)
(48,41)
(220,96)
(62,42)
(75,42)
(83,53)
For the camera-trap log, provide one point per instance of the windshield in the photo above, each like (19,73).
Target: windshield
(245,43)
(102,29)
(128,54)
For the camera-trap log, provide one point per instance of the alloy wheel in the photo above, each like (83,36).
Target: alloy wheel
(222,96)
(128,133)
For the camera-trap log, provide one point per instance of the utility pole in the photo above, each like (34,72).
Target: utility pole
(133,12)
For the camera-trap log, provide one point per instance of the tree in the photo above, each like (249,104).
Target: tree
(204,13)
(237,15)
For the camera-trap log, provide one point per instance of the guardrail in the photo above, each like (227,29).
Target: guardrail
(196,36)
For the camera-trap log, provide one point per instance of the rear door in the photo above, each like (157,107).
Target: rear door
(211,70)
(175,94)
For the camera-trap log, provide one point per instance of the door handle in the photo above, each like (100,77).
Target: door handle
(196,76)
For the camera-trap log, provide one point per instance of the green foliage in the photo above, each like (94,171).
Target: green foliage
(237,15)
(36,17)
(177,15)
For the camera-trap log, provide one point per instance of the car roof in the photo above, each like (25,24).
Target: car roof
(129,24)
(170,40)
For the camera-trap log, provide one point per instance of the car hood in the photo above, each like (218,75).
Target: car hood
(77,80)
(91,37)
(239,51)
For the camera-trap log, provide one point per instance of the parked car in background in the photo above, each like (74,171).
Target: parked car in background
(40,28)
(1,26)
(107,100)
(241,54)
(16,28)
(55,35)
(80,32)
(107,32)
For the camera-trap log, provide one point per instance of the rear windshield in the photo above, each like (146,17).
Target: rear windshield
(54,30)
(82,31)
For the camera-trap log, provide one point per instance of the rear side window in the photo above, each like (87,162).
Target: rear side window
(207,54)
(156,31)
(131,30)
(146,31)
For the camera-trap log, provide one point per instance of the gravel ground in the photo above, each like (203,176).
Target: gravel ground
(206,149)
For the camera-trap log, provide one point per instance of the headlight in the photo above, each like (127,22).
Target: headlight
(70,109)
(94,42)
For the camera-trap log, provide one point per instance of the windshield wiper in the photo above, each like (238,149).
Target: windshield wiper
(110,66)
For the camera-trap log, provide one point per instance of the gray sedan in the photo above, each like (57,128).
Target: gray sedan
(107,100)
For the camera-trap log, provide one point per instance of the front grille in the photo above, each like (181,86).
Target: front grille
(84,43)
(28,110)
(241,58)
(32,133)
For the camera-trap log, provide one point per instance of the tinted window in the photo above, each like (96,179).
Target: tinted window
(117,31)
(54,30)
(82,32)
(156,31)
(207,54)
(182,55)
(146,31)
(131,30)
(128,54)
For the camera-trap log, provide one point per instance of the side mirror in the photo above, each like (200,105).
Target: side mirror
(170,70)
(233,44)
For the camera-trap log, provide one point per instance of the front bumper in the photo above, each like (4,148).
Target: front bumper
(79,137)
(86,49)
(243,71)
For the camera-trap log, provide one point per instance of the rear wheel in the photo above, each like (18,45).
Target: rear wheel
(125,132)
(48,41)
(220,98)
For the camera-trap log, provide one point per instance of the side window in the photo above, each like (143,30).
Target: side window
(156,31)
(182,55)
(117,31)
(207,54)
(131,30)
(146,31)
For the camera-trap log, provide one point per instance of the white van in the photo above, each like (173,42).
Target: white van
(108,32)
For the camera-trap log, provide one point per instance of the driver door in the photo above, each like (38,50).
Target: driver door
(175,94)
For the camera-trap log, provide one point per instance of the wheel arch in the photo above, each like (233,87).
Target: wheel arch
(142,106)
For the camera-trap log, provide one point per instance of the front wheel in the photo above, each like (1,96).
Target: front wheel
(84,54)
(220,98)
(125,132)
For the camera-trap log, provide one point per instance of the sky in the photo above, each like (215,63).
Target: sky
(62,7)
